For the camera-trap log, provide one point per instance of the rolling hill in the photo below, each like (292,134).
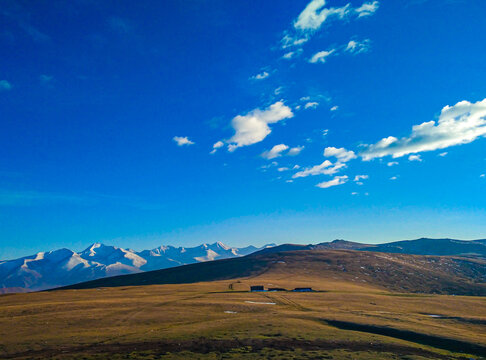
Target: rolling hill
(393,272)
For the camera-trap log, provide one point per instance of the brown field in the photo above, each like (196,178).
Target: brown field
(347,318)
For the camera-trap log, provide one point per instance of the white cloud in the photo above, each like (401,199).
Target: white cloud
(354,193)
(341,154)
(443,154)
(394,178)
(283,169)
(311,105)
(289,41)
(482,176)
(216,146)
(414,158)
(295,150)
(326,168)
(254,126)
(338,180)
(5,85)
(321,56)
(182,140)
(314,15)
(291,54)
(305,98)
(358,47)
(367,9)
(296,167)
(360,177)
(275,152)
(334,108)
(392,163)
(325,132)
(458,124)
(261,76)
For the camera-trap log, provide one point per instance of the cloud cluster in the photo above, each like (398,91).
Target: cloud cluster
(458,124)
(260,76)
(254,126)
(182,140)
(274,152)
(278,150)
(321,56)
(326,168)
(358,47)
(216,146)
(316,14)
(341,154)
(338,180)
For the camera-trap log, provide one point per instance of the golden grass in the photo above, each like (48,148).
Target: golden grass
(69,319)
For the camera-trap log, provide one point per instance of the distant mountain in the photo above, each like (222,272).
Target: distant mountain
(47,270)
(439,247)
(423,246)
(62,267)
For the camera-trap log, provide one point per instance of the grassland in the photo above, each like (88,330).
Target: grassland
(344,319)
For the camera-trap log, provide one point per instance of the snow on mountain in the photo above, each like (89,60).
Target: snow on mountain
(61,267)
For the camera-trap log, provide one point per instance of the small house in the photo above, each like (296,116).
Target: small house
(277,289)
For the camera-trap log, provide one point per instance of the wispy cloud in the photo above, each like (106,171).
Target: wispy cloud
(326,168)
(458,124)
(338,180)
(341,154)
(260,76)
(321,56)
(357,47)
(291,54)
(253,127)
(311,105)
(295,150)
(414,158)
(274,152)
(182,140)
(315,14)
(367,9)
(216,146)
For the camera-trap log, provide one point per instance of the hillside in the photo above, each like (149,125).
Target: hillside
(394,272)
(351,315)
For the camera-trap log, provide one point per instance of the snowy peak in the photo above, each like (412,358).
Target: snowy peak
(61,267)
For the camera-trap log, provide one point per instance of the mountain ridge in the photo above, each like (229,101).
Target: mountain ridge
(63,267)
(45,270)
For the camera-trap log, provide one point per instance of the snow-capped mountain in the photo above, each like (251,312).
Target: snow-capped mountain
(61,267)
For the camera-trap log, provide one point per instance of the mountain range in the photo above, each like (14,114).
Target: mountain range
(46,270)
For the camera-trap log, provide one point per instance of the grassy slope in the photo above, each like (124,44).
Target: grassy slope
(189,320)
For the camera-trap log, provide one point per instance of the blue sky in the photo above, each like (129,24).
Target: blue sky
(172,122)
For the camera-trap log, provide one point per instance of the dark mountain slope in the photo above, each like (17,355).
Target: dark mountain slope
(426,246)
